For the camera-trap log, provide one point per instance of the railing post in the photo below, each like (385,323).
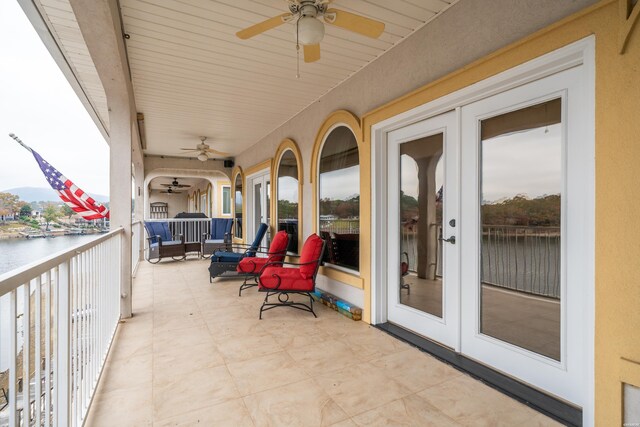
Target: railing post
(63,358)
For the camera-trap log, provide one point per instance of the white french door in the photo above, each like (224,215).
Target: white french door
(510,178)
(423,282)
(526,222)
(258,206)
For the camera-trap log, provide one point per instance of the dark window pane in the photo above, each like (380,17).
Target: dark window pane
(288,198)
(238,207)
(339,206)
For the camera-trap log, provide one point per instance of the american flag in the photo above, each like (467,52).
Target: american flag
(74,197)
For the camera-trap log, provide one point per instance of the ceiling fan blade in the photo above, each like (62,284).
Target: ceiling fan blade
(356,23)
(263,26)
(190,149)
(219,153)
(311,52)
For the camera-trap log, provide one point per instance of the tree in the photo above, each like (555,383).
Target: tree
(50,214)
(8,204)
(25,210)
(66,211)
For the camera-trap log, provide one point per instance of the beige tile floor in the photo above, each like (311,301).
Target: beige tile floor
(196,354)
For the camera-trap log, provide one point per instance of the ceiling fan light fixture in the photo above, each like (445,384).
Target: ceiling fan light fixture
(203,157)
(310,30)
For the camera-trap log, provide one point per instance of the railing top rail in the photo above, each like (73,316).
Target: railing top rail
(21,275)
(179,219)
(528,227)
(136,222)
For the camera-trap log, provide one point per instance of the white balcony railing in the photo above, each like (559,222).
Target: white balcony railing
(191,228)
(62,314)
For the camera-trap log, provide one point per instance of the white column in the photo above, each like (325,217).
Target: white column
(120,195)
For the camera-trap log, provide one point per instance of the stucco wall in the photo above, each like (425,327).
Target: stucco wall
(175,202)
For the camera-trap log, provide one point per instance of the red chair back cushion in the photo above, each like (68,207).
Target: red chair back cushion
(279,246)
(310,252)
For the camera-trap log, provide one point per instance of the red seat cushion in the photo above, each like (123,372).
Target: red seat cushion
(310,252)
(279,246)
(285,279)
(251,264)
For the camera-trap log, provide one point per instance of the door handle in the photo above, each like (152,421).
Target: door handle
(451,240)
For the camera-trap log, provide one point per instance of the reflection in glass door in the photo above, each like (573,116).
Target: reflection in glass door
(421,199)
(423,283)
(521,193)
(257,205)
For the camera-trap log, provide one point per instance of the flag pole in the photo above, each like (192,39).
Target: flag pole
(19,141)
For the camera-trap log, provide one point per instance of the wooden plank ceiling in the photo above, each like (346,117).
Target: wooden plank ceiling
(62,23)
(192,76)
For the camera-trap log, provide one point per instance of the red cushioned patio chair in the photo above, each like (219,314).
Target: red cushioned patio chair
(250,267)
(299,278)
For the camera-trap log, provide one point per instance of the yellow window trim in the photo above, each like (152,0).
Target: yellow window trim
(257,168)
(351,279)
(285,145)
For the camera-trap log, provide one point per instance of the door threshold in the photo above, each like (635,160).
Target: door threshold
(550,406)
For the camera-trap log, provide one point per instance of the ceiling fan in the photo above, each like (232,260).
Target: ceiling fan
(170,191)
(204,150)
(176,184)
(310,29)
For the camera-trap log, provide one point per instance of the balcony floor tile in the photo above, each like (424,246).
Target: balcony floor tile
(196,354)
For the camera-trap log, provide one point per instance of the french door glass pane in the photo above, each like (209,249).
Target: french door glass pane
(257,206)
(421,199)
(521,191)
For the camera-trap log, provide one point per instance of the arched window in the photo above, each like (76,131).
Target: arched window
(238,205)
(339,197)
(288,192)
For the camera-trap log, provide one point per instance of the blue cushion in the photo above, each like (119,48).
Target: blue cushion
(222,256)
(167,243)
(220,227)
(165,233)
(262,230)
(149,227)
(158,229)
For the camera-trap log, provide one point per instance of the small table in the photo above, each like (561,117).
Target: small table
(193,247)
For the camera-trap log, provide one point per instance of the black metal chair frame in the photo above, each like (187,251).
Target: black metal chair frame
(255,274)
(172,251)
(227,267)
(283,296)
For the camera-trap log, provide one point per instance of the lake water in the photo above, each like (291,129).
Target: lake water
(15,253)
(531,265)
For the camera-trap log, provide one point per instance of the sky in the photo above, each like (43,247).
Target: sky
(527,162)
(39,106)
